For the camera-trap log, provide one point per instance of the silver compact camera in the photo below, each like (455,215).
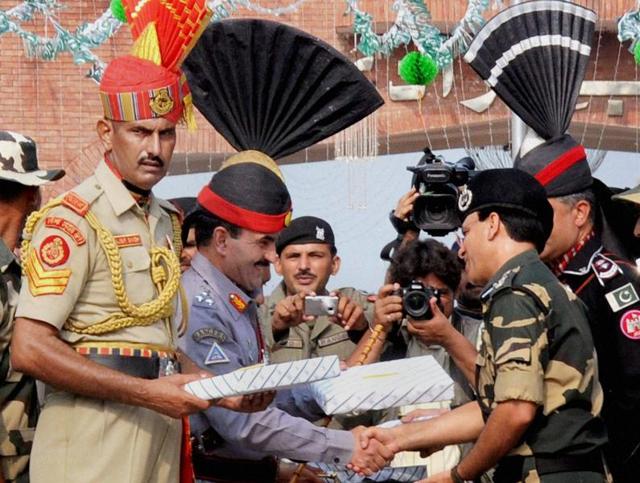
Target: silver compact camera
(320,305)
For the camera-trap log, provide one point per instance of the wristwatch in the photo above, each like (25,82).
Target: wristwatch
(455,476)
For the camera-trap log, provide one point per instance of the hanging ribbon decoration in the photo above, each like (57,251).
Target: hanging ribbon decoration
(629,29)
(413,25)
(88,36)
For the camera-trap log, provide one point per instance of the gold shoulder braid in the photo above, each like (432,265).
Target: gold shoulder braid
(165,273)
(177,234)
(177,247)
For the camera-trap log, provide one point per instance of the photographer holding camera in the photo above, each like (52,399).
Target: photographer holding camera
(301,318)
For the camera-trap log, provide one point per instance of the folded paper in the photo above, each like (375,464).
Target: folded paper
(265,377)
(384,385)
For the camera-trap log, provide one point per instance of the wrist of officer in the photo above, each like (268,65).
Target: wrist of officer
(456,477)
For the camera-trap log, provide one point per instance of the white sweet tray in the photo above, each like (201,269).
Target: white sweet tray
(384,385)
(262,377)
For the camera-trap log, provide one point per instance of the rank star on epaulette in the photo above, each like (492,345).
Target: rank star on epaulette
(204,297)
(237,301)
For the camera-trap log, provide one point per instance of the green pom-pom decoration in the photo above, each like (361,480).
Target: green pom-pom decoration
(636,52)
(418,69)
(117,9)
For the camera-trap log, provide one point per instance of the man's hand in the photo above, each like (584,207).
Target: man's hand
(436,330)
(388,307)
(166,395)
(249,403)
(289,312)
(444,477)
(371,457)
(404,208)
(350,314)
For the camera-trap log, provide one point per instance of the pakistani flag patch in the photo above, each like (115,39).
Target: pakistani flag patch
(622,297)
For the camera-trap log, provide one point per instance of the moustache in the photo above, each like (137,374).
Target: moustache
(156,159)
(304,273)
(262,263)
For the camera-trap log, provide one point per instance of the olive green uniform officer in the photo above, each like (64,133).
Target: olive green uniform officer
(307,258)
(20,179)
(539,397)
(536,343)
(317,338)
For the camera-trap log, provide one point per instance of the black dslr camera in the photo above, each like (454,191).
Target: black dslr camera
(415,300)
(436,209)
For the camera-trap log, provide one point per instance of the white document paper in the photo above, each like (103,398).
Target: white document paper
(384,385)
(265,377)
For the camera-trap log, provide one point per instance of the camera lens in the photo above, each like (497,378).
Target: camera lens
(416,305)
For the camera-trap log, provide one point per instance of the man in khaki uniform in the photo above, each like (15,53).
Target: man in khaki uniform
(307,257)
(20,179)
(101,273)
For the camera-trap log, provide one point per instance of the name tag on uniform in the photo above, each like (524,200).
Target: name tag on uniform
(333,339)
(124,241)
(294,344)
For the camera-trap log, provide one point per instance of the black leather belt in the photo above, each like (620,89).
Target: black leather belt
(144,367)
(510,469)
(225,470)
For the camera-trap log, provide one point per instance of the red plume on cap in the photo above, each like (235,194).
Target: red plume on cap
(149,84)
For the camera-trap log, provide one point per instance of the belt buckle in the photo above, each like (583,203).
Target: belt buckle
(168,367)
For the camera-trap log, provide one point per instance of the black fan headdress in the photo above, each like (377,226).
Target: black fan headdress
(534,56)
(271,90)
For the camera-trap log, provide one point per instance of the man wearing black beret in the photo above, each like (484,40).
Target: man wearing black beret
(307,258)
(536,416)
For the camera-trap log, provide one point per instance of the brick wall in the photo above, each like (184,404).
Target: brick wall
(55,104)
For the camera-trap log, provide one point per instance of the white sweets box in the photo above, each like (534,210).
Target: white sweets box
(262,377)
(384,385)
(342,475)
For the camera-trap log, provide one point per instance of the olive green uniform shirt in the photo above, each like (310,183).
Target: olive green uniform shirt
(321,337)
(537,347)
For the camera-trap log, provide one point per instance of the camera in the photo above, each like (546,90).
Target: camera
(415,300)
(436,209)
(320,305)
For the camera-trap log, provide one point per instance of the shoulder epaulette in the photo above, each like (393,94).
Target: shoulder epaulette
(75,203)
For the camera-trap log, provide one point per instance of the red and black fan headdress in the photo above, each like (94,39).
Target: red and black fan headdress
(271,90)
(534,55)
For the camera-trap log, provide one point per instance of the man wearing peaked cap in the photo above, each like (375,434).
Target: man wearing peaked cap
(20,178)
(236,233)
(307,258)
(538,394)
(94,319)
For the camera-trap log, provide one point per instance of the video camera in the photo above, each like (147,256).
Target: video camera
(436,209)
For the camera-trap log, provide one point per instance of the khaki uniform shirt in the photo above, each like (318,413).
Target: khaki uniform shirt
(69,254)
(321,337)
(18,399)
(537,347)
(68,280)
